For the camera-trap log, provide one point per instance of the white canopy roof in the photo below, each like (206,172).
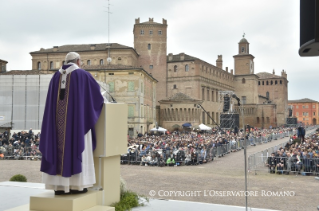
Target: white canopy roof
(204,127)
(160,129)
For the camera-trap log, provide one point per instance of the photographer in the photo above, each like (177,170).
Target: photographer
(272,163)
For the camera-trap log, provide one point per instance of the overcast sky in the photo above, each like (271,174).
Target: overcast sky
(201,28)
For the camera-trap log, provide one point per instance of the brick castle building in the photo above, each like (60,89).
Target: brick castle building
(182,81)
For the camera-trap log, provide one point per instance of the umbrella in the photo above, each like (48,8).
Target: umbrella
(176,126)
(204,127)
(187,124)
(160,129)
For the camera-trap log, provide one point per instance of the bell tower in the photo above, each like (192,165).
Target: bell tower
(244,62)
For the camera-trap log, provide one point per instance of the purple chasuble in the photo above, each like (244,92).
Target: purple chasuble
(65,122)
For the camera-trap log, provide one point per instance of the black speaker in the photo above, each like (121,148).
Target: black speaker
(291,121)
(229,120)
(309,28)
(226,104)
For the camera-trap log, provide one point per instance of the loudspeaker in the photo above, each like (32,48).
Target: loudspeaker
(229,120)
(309,28)
(291,121)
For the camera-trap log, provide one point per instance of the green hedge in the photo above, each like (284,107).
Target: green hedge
(18,178)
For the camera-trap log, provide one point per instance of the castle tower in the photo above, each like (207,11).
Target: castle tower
(244,62)
(245,81)
(150,42)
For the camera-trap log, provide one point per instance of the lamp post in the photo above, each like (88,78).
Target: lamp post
(245,148)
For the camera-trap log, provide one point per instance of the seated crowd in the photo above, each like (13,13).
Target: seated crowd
(191,148)
(21,145)
(300,155)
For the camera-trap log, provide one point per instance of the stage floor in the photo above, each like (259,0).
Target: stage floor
(14,194)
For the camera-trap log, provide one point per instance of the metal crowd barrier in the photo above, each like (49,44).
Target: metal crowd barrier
(258,159)
(20,153)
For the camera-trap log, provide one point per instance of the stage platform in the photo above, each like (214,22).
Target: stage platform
(15,196)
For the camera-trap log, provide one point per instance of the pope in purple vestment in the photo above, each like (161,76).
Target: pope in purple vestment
(72,108)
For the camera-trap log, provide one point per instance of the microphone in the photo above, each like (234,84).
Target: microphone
(113,100)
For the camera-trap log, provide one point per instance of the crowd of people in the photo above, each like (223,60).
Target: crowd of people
(300,155)
(191,148)
(21,145)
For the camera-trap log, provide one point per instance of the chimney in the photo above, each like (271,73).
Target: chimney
(164,21)
(55,48)
(93,47)
(226,69)
(137,20)
(182,56)
(219,62)
(170,57)
(232,71)
(150,20)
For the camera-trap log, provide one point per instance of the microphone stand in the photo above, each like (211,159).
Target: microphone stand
(113,100)
(209,116)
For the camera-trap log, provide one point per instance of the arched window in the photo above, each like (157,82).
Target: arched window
(271,82)
(51,65)
(258,83)
(89,62)
(267,95)
(257,120)
(280,81)
(39,65)
(175,68)
(186,68)
(266,82)
(101,62)
(243,80)
(275,82)
(263,83)
(149,46)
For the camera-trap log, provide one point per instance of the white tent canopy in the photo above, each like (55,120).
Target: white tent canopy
(160,129)
(204,127)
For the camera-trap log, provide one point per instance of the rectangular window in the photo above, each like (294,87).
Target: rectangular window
(207,95)
(130,111)
(213,96)
(111,86)
(130,87)
(297,106)
(174,87)
(151,32)
(142,31)
(306,106)
(313,106)
(303,106)
(314,113)
(159,32)
(203,93)
(149,46)
(297,113)
(243,100)
(151,66)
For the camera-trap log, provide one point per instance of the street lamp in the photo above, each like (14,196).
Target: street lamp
(245,148)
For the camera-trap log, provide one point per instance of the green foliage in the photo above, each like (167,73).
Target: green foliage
(128,199)
(18,178)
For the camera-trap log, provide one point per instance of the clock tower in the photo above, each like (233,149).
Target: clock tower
(244,62)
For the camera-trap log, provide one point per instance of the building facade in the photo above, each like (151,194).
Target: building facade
(305,110)
(3,66)
(161,81)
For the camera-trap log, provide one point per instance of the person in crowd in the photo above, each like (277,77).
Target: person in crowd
(272,163)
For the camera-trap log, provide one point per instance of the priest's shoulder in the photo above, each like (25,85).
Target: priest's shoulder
(82,72)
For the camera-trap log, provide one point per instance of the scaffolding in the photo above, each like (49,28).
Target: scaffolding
(229,119)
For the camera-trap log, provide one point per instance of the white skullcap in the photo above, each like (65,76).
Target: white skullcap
(72,55)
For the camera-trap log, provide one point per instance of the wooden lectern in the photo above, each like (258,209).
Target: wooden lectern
(111,135)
